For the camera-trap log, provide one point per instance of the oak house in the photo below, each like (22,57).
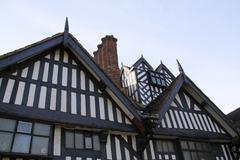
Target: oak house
(57,102)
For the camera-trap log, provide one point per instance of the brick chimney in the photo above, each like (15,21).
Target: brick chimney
(106,57)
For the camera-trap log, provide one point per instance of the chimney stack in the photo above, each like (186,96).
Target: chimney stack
(106,57)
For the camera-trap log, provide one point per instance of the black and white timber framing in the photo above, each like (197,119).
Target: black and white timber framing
(143,83)
(56,83)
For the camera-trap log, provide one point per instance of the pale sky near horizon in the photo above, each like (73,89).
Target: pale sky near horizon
(203,35)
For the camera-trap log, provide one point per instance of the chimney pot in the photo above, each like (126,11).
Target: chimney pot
(109,37)
(95,52)
(99,46)
(106,57)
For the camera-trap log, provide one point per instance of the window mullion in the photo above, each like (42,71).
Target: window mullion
(84,144)
(30,147)
(74,139)
(14,133)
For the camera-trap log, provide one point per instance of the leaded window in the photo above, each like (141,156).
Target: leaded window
(24,137)
(235,151)
(217,151)
(166,150)
(157,78)
(196,150)
(81,140)
(162,79)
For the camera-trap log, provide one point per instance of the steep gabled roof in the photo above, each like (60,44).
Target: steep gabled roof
(70,42)
(163,67)
(142,60)
(161,104)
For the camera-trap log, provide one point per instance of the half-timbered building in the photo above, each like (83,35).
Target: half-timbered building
(58,102)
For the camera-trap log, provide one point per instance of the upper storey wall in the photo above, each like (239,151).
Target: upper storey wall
(56,82)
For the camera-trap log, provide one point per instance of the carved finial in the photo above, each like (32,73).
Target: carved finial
(180,67)
(142,55)
(161,62)
(66,28)
(66,31)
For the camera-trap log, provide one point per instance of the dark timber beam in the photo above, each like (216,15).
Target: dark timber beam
(56,117)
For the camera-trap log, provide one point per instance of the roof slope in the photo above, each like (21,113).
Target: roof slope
(29,51)
(235,116)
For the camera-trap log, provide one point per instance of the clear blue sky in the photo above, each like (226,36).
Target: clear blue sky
(203,34)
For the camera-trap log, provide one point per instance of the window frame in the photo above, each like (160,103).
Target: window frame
(168,153)
(84,135)
(197,151)
(156,77)
(29,154)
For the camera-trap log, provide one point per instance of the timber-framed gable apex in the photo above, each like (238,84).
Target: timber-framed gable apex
(69,42)
(142,60)
(162,104)
(163,67)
